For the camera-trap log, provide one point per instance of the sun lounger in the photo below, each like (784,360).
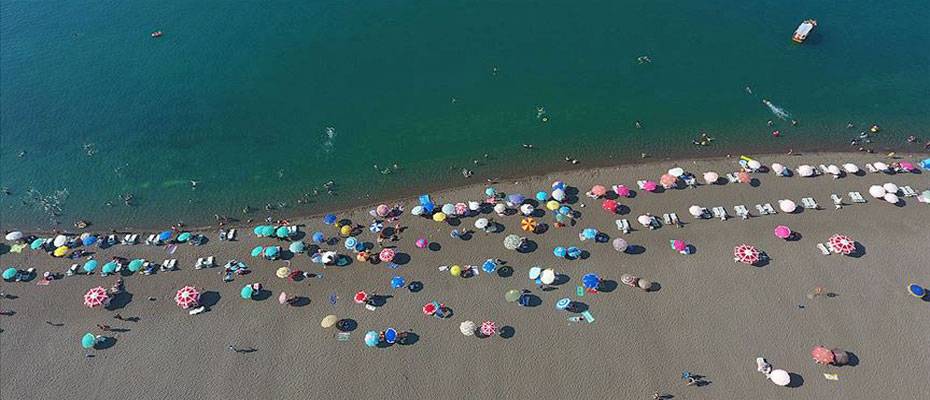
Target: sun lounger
(623,225)
(211,261)
(808,202)
(823,249)
(151,239)
(641,184)
(667,219)
(871,168)
(720,212)
(675,220)
(837,201)
(292,229)
(73,270)
(761,209)
(342,336)
(690,181)
(587,316)
(199,263)
(126,239)
(231,235)
(856,197)
(908,191)
(741,211)
(769,209)
(732,178)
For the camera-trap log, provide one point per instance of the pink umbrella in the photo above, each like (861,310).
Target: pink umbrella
(907,166)
(282,298)
(843,244)
(650,186)
(746,254)
(186,297)
(386,255)
(598,190)
(622,190)
(95,297)
(461,208)
(782,232)
(422,243)
(382,210)
(743,177)
(668,181)
(488,328)
(679,245)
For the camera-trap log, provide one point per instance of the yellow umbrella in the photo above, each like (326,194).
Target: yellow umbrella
(60,251)
(283,272)
(455,270)
(328,321)
(439,217)
(528,224)
(552,205)
(346,230)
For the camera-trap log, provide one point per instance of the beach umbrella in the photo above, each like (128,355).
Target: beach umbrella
(89,240)
(822,355)
(561,218)
(36,244)
(390,335)
(528,224)
(417,210)
(95,297)
(890,188)
(266,230)
(622,190)
(743,177)
(552,205)
(272,251)
(60,251)
(711,177)
(474,205)
(833,170)
(467,328)
(91,265)
(386,255)
(350,242)
(318,237)
(297,247)
(282,272)
(512,295)
(907,166)
(398,282)
(461,208)
(842,244)
(512,242)
(565,210)
(787,206)
(650,186)
(609,205)
(186,297)
(88,340)
(257,230)
(481,223)
(246,292)
(382,210)
(165,235)
(527,209)
(109,268)
(880,166)
(455,270)
(916,290)
(782,232)
(281,232)
(516,198)
(598,190)
(591,281)
(376,226)
(780,377)
(500,208)
(372,338)
(448,209)
(542,196)
(778,168)
(328,321)
(489,266)
(573,252)
(589,233)
(534,273)
(696,211)
(620,244)
(257,251)
(360,297)
(439,217)
(877,191)
(746,254)
(891,198)
(9,273)
(362,256)
(183,237)
(629,280)
(668,181)
(488,328)
(329,219)
(558,184)
(14,236)
(345,230)
(430,308)
(851,168)
(547,276)
(678,245)
(754,165)
(490,191)
(645,220)
(559,252)
(327,257)
(558,195)
(676,172)
(806,170)
(282,298)
(644,284)
(136,265)
(421,243)
(60,240)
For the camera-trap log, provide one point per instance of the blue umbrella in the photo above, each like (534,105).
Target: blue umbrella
(360,246)
(246,292)
(565,210)
(524,300)
(329,219)
(573,252)
(372,339)
(589,233)
(558,185)
(108,268)
(297,247)
(36,244)
(390,335)
(89,241)
(350,243)
(559,252)
(516,198)
(562,303)
(489,266)
(257,251)
(397,282)
(164,235)
(90,266)
(318,237)
(542,196)
(591,281)
(376,227)
(490,191)
(271,251)
(88,341)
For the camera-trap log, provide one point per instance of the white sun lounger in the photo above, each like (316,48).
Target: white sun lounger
(808,202)
(73,270)
(732,178)
(641,184)
(856,197)
(908,191)
(231,235)
(674,218)
(741,211)
(769,209)
(823,249)
(126,239)
(667,218)
(151,239)
(871,167)
(623,225)
(837,200)
(720,212)
(761,209)
(292,229)
(199,263)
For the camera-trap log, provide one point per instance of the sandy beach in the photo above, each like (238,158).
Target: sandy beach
(709,315)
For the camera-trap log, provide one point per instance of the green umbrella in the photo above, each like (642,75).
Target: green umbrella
(282,232)
(9,273)
(297,247)
(184,237)
(88,341)
(257,251)
(136,265)
(109,267)
(246,292)
(257,231)
(512,295)
(267,230)
(36,244)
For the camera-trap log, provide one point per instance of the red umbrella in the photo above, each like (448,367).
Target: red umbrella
(488,328)
(843,244)
(650,186)
(95,297)
(746,254)
(598,190)
(386,255)
(187,297)
(822,355)
(361,297)
(609,205)
(429,308)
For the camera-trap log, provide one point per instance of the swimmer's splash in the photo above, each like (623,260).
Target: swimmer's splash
(778,111)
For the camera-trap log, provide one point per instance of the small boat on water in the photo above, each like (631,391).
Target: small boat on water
(803,30)
(157,34)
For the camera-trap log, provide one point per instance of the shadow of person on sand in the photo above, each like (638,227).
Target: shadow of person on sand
(119,301)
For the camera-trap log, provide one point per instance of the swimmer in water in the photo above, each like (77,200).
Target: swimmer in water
(849,125)
(637,124)
(527,146)
(494,70)
(770,123)
(748,90)
(794,122)
(193,184)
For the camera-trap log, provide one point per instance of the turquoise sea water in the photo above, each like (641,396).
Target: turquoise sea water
(239,95)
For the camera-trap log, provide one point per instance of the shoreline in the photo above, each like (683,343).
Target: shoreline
(438,190)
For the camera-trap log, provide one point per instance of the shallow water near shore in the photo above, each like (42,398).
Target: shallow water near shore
(264,103)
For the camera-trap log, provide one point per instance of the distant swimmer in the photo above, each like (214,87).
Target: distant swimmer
(494,70)
(527,146)
(22,154)
(850,125)
(453,100)
(748,90)
(193,184)
(638,125)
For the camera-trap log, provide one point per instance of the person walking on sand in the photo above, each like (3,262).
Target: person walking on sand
(104,327)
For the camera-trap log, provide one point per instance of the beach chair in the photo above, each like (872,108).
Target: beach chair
(741,211)
(199,263)
(837,201)
(667,218)
(72,270)
(761,209)
(732,178)
(690,181)
(823,249)
(856,197)
(908,191)
(769,209)
(809,203)
(675,220)
(720,212)
(623,225)
(291,230)
(342,336)
(210,262)
(641,184)
(151,239)
(126,239)
(165,265)
(871,168)
(587,316)
(231,235)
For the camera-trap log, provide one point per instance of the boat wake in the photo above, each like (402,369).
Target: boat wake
(778,111)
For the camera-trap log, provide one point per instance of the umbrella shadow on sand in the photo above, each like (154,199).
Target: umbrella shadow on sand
(346,325)
(408,338)
(607,286)
(379,300)
(561,279)
(635,249)
(577,307)
(531,300)
(300,301)
(209,298)
(505,271)
(858,252)
(104,343)
(119,301)
(795,380)
(261,295)
(507,332)
(528,246)
(401,258)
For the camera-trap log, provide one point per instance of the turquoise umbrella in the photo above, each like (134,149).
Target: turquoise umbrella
(246,292)
(297,247)
(267,230)
(184,237)
(257,250)
(135,265)
(372,338)
(9,273)
(271,251)
(282,232)
(36,244)
(88,341)
(108,268)
(257,231)
(90,266)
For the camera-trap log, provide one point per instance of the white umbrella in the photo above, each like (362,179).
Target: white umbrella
(85,235)
(890,188)
(780,377)
(892,198)
(500,208)
(15,235)
(448,209)
(417,210)
(474,205)
(833,169)
(60,240)
(676,172)
(787,206)
(850,168)
(481,223)
(876,191)
(711,177)
(558,195)
(753,164)
(806,170)
(328,257)
(526,209)
(778,168)
(645,220)
(880,166)
(547,276)
(467,328)
(696,211)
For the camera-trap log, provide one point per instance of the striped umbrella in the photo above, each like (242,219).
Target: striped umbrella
(375,227)
(186,297)
(488,328)
(842,244)
(95,297)
(386,255)
(746,254)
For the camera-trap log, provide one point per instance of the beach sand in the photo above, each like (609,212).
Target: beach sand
(710,316)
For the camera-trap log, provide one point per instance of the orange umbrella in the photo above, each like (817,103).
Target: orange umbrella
(528,224)
(743,177)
